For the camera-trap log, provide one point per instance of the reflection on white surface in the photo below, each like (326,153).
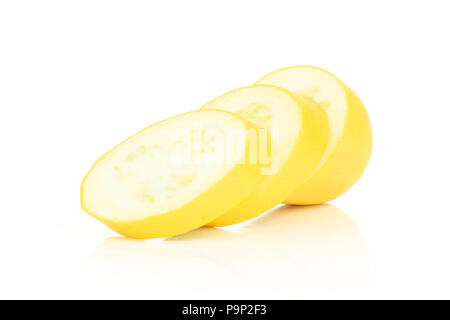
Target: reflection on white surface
(292,252)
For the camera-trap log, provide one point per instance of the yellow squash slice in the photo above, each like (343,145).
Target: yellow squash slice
(350,135)
(173,176)
(299,137)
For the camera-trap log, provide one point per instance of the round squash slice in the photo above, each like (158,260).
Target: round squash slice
(173,176)
(350,134)
(299,132)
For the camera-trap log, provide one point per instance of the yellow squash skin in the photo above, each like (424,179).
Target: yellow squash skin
(309,147)
(345,165)
(235,186)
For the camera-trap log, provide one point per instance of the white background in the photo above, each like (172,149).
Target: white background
(77,77)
